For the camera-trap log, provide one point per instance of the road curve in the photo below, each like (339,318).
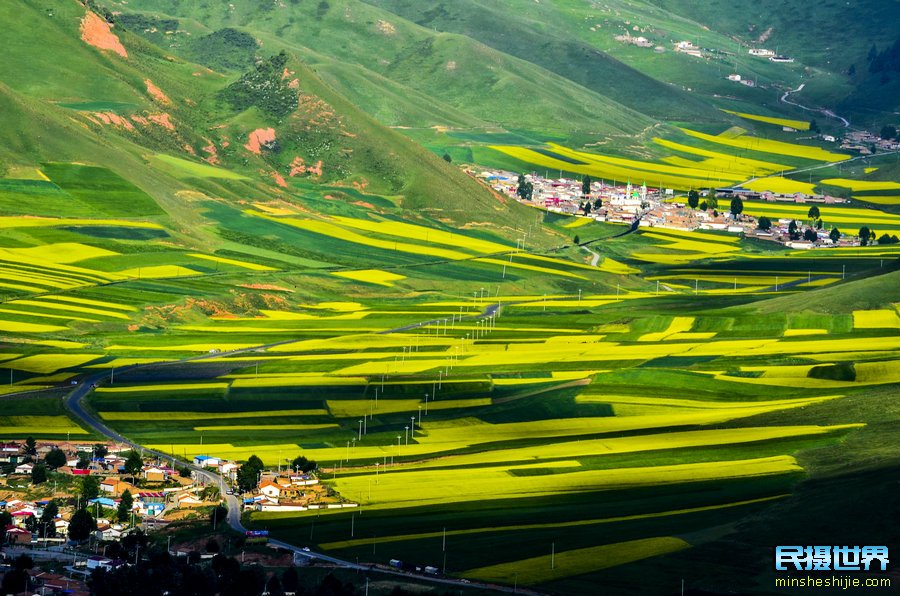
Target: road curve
(74,403)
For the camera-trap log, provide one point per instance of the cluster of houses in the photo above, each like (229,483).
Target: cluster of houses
(276,490)
(659,208)
(866,143)
(154,489)
(619,203)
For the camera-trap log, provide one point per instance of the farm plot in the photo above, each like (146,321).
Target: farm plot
(795,124)
(747,142)
(102,190)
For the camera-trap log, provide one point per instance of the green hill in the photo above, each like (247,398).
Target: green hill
(276,118)
(875,292)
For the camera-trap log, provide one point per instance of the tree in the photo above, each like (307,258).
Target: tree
(810,235)
(813,212)
(100,450)
(5,518)
(55,458)
(184,472)
(835,235)
(30,446)
(447,158)
(290,580)
(576,239)
(737,206)
(212,546)
(704,206)
(90,487)
(711,201)
(15,582)
(693,198)
(764,223)
(84,461)
(529,191)
(598,202)
(864,234)
(210,493)
(218,515)
(38,474)
(246,478)
(521,186)
(256,463)
(813,126)
(133,464)
(125,505)
(81,525)
(586,186)
(792,230)
(888,132)
(48,519)
(301,464)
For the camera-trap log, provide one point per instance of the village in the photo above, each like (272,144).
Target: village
(645,207)
(70,509)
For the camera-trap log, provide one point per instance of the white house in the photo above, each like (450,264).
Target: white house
(24,468)
(207,461)
(271,489)
(761,52)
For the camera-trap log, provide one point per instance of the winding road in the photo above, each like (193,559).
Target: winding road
(74,402)
(829,113)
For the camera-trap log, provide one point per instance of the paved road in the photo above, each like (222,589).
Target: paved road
(829,113)
(74,403)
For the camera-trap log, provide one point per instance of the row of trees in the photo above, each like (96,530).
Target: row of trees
(867,237)
(795,232)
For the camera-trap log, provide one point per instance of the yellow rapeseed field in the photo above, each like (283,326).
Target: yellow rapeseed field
(876,319)
(235,262)
(372,276)
(768,146)
(796,124)
(49,363)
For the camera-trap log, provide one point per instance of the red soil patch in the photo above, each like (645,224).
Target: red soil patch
(140,120)
(157,93)
(213,152)
(259,138)
(294,84)
(279,179)
(96,32)
(361,185)
(189,149)
(364,204)
(162,119)
(112,119)
(298,167)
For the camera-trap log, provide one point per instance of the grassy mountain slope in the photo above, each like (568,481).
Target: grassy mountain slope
(150,102)
(454,71)
(537,38)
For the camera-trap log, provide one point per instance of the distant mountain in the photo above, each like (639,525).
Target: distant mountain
(547,70)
